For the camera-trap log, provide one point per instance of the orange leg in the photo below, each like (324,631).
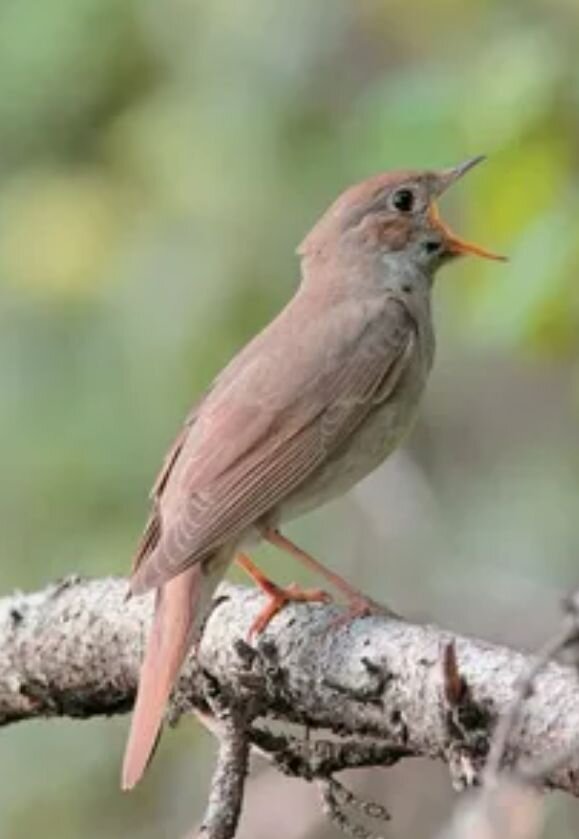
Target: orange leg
(278,597)
(359,605)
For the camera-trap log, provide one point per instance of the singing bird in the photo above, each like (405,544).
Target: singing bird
(308,408)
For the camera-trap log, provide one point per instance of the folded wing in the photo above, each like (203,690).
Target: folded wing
(268,424)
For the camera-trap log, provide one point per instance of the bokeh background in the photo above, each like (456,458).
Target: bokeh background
(159,163)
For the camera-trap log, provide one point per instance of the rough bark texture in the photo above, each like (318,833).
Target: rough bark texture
(74,650)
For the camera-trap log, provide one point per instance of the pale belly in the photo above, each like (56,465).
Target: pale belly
(375,439)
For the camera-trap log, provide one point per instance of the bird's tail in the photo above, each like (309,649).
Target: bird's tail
(179,610)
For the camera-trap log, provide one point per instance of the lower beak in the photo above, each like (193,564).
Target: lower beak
(454,244)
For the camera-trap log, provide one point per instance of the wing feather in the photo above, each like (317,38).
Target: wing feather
(152,532)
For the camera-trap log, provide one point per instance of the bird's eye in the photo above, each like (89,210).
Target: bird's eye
(403,200)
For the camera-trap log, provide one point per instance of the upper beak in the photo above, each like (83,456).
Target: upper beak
(454,244)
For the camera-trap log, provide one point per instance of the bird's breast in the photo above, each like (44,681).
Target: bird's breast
(375,438)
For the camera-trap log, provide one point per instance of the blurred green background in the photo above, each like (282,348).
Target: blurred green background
(159,163)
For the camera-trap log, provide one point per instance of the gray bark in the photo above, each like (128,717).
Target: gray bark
(74,649)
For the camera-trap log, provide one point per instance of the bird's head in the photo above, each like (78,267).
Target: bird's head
(395,213)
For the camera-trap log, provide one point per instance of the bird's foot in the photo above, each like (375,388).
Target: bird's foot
(279,597)
(361,606)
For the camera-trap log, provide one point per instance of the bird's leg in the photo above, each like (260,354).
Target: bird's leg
(278,596)
(359,604)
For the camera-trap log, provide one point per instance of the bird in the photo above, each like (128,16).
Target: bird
(310,406)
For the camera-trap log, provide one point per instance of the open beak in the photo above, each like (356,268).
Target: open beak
(454,244)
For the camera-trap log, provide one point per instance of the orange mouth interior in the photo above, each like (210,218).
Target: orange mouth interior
(454,243)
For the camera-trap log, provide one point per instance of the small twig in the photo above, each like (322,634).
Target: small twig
(508,807)
(226,796)
(228,783)
(318,759)
(371,809)
(535,771)
(524,689)
(335,797)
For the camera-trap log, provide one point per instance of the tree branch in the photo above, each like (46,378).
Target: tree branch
(73,649)
(228,783)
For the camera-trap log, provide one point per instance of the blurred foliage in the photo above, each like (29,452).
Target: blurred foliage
(159,163)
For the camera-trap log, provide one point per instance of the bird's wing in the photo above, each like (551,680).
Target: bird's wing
(152,532)
(263,431)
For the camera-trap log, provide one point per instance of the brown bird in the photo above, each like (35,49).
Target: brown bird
(307,409)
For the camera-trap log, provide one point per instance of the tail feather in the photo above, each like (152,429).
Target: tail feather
(179,612)
(167,646)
